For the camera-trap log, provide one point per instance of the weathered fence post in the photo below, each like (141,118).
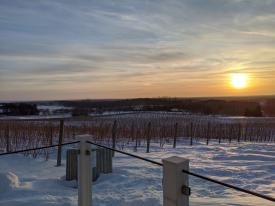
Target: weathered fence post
(191,133)
(245,132)
(176,190)
(136,146)
(71,164)
(239,132)
(220,132)
(104,163)
(60,140)
(230,133)
(208,133)
(132,131)
(101,159)
(8,139)
(51,134)
(250,134)
(175,135)
(84,172)
(148,137)
(114,136)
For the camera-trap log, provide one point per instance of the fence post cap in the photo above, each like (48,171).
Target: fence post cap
(84,137)
(175,160)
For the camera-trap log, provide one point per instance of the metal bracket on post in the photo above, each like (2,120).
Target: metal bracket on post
(186,190)
(84,172)
(175,183)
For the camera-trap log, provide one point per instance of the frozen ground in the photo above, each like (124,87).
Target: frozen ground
(26,181)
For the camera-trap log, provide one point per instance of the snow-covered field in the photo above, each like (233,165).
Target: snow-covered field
(26,181)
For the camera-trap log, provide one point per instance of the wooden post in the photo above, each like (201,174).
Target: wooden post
(71,164)
(175,135)
(208,133)
(84,172)
(148,137)
(245,132)
(175,183)
(230,132)
(60,140)
(104,160)
(8,139)
(136,146)
(250,134)
(191,133)
(132,131)
(51,134)
(221,133)
(271,135)
(114,129)
(239,132)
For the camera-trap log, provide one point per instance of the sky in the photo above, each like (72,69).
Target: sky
(126,49)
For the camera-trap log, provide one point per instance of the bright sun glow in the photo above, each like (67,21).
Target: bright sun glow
(239,81)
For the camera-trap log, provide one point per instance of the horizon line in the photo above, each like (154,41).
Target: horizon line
(132,98)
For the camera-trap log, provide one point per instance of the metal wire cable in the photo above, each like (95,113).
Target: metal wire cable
(38,148)
(126,153)
(230,186)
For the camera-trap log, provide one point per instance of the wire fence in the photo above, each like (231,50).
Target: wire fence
(38,148)
(191,173)
(152,162)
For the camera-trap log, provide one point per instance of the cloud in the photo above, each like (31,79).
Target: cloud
(132,43)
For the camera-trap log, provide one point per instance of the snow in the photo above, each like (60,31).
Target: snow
(112,113)
(45,183)
(10,182)
(35,117)
(28,181)
(53,108)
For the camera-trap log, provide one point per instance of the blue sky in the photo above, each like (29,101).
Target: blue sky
(121,49)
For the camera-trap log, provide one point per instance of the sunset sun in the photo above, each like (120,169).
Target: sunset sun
(239,81)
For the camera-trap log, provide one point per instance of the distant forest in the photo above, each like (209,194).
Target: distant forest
(16,109)
(240,107)
(251,107)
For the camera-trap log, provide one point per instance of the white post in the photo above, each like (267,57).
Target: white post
(175,182)
(84,172)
